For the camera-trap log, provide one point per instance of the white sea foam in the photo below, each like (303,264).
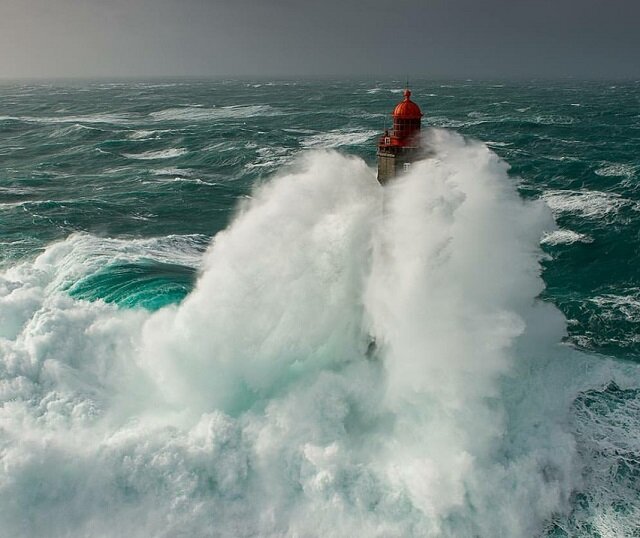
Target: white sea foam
(116,119)
(173,171)
(270,157)
(146,134)
(70,130)
(553,119)
(82,254)
(338,138)
(625,170)
(609,446)
(159,154)
(564,237)
(561,158)
(493,144)
(589,204)
(221,146)
(205,114)
(10,205)
(441,121)
(299,131)
(626,306)
(390,90)
(252,409)
(181,179)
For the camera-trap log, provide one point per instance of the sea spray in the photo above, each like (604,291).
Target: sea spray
(452,290)
(280,294)
(253,407)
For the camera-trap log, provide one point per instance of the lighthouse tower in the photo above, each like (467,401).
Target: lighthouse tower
(400,147)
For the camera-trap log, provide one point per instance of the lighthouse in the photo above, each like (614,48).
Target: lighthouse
(398,148)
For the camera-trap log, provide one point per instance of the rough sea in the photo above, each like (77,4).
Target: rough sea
(215,323)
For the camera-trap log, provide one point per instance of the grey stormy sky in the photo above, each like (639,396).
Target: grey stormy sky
(433,38)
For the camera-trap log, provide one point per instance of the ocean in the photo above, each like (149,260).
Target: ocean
(215,323)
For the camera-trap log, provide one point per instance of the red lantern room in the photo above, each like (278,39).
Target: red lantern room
(406,123)
(406,117)
(400,147)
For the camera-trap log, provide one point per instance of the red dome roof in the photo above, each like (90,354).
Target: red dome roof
(407,109)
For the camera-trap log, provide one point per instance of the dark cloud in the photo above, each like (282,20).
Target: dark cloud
(437,38)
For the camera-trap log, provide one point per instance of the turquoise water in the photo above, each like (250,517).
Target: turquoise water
(190,387)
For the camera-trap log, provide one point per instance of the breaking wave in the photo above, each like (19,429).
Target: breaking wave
(350,363)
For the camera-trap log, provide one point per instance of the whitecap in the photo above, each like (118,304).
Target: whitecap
(203,114)
(146,134)
(171,153)
(586,203)
(338,138)
(615,306)
(173,171)
(177,175)
(88,118)
(221,146)
(378,90)
(11,205)
(182,179)
(299,131)
(625,170)
(561,158)
(542,119)
(69,130)
(564,237)
(441,121)
(270,157)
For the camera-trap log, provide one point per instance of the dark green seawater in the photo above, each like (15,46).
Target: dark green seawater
(110,193)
